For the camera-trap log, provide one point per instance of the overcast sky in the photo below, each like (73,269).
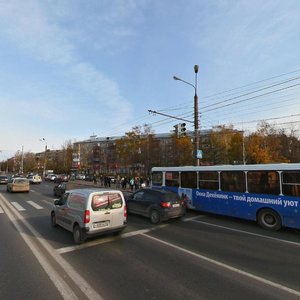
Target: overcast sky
(72,69)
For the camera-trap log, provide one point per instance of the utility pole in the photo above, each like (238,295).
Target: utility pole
(196,121)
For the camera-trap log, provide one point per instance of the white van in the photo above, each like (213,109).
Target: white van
(91,211)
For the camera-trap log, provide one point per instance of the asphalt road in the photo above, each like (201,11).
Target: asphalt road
(200,257)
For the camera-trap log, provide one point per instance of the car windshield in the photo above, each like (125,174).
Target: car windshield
(21,180)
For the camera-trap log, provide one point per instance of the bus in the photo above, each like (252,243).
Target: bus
(266,193)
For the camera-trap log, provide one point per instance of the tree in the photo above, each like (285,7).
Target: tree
(182,151)
(133,151)
(264,145)
(224,146)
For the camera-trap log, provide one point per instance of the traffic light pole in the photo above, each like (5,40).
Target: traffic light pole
(196,120)
(169,116)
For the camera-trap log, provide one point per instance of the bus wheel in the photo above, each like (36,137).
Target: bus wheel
(269,219)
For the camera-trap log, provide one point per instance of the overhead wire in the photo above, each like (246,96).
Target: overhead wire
(243,106)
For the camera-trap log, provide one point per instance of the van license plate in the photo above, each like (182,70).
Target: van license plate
(101,224)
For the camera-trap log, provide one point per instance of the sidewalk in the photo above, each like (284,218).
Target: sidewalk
(79,184)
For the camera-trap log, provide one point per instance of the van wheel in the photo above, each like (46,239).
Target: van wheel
(78,235)
(53,219)
(154,216)
(269,219)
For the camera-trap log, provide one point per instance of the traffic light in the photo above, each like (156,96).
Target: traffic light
(182,129)
(176,130)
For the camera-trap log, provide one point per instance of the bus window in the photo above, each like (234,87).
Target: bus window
(233,181)
(157,178)
(291,183)
(209,180)
(263,182)
(189,180)
(172,179)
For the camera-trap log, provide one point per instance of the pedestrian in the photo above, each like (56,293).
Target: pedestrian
(131,182)
(94,179)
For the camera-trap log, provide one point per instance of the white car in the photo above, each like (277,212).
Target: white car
(88,212)
(51,177)
(37,179)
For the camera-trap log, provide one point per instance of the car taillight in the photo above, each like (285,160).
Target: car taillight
(125,211)
(165,204)
(87,216)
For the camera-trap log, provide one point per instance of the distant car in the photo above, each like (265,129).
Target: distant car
(61,178)
(80,176)
(18,184)
(59,189)
(3,179)
(112,179)
(89,177)
(50,177)
(157,205)
(36,179)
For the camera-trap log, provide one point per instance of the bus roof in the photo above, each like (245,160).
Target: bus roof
(256,167)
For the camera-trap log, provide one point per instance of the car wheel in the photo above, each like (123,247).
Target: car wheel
(154,216)
(269,219)
(78,235)
(53,219)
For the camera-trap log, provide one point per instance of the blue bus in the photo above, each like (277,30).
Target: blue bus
(266,193)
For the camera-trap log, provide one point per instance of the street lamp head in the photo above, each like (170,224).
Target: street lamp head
(176,78)
(196,68)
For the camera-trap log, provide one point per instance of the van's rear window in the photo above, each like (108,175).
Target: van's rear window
(106,201)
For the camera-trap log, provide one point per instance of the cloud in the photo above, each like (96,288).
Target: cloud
(44,37)
(25,23)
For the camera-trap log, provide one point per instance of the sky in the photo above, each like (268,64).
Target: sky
(73,69)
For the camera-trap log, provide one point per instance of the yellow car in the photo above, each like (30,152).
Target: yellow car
(18,184)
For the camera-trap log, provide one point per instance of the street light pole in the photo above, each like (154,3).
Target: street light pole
(196,120)
(45,158)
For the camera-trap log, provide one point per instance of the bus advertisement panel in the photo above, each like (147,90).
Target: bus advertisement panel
(266,193)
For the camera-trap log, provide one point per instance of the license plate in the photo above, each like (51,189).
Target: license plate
(101,224)
(176,205)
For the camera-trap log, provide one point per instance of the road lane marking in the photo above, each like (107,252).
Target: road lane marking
(249,233)
(106,240)
(18,206)
(1,210)
(60,283)
(192,218)
(35,205)
(228,267)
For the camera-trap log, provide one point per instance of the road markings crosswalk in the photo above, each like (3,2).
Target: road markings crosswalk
(35,205)
(18,206)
